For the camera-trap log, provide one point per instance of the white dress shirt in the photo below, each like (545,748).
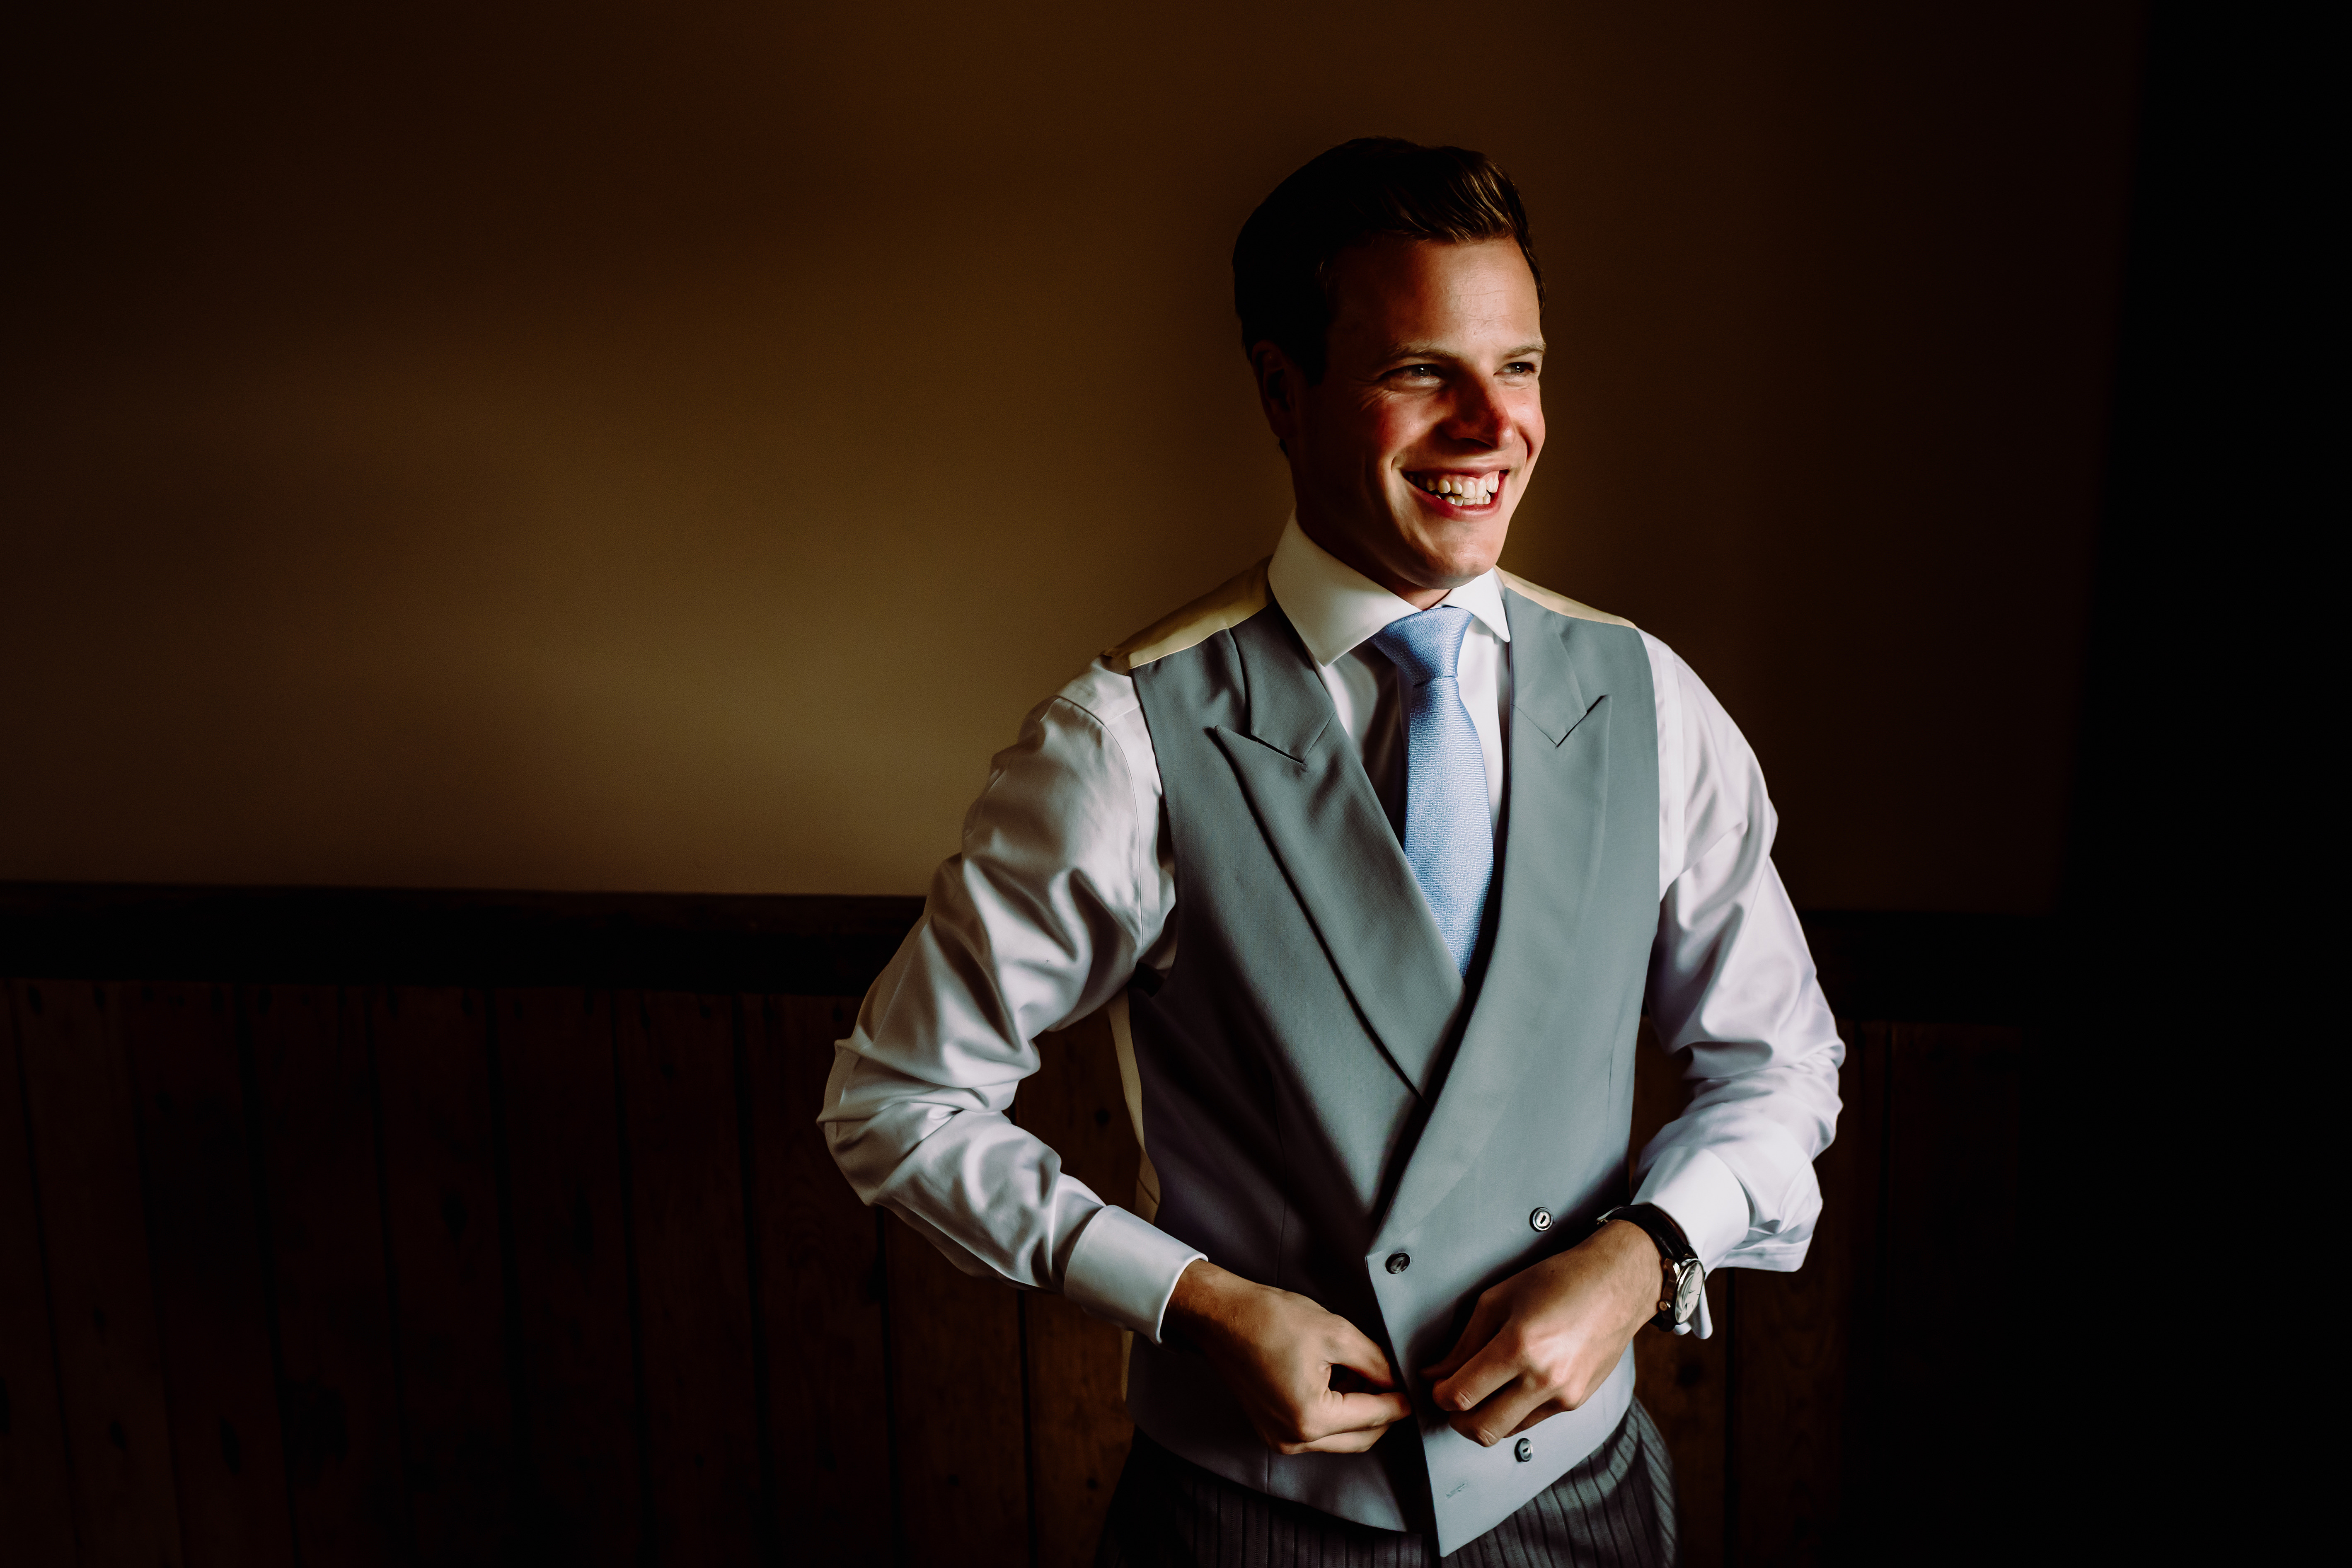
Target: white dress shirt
(1066,883)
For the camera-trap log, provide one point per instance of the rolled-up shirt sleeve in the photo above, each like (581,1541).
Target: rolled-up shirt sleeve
(1060,888)
(1735,1001)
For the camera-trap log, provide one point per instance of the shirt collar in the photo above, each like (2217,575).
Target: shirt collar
(1337,607)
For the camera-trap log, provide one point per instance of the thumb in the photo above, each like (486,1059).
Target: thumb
(1349,1346)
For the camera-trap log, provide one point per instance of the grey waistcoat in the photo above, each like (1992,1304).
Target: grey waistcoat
(1328,1106)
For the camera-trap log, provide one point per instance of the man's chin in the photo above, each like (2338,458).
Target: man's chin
(1418,551)
(1447,558)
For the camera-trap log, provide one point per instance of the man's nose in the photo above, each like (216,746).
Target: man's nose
(1477,413)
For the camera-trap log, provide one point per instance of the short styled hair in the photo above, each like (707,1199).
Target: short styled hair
(1357,192)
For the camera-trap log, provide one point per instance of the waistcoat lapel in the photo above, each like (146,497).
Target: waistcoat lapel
(1558,798)
(1312,800)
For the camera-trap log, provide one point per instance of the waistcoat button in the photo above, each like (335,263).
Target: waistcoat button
(1398,1262)
(1524,1450)
(1540,1219)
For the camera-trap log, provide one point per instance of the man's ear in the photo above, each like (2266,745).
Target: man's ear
(1279,383)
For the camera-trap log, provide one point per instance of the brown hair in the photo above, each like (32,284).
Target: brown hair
(1358,190)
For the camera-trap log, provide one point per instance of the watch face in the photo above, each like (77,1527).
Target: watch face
(1687,1291)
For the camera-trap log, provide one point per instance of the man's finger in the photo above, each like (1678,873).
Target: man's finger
(1508,1411)
(1538,1416)
(1360,1412)
(1487,1370)
(1340,1442)
(1337,1443)
(1352,1423)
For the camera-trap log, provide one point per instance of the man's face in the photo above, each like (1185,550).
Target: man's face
(1410,455)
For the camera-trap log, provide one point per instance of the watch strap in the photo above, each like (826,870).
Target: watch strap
(1674,1248)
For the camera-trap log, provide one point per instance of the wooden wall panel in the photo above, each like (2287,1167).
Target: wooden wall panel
(316,1107)
(211,1283)
(685,1193)
(957,1400)
(822,1293)
(459,1193)
(558,1089)
(35,1485)
(1080,1432)
(432,1062)
(1803,1343)
(109,1353)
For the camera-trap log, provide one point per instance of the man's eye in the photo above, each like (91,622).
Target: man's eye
(1520,367)
(1419,371)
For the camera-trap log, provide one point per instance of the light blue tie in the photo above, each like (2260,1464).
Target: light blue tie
(1449,840)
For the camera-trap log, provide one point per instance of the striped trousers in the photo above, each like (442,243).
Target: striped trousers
(1615,1510)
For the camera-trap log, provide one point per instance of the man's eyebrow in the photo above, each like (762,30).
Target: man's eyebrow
(1431,351)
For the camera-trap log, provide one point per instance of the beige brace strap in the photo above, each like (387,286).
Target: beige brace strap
(1228,604)
(1130,1081)
(1147,1180)
(1560,604)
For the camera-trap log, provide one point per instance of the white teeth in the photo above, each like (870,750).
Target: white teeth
(1476,488)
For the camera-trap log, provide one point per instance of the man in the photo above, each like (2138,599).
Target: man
(1374,856)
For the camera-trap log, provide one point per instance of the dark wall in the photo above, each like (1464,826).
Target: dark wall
(669,448)
(2200,885)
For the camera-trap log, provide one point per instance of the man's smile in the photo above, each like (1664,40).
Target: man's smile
(1459,490)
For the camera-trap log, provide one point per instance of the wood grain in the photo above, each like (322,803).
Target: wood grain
(315,1093)
(36,1486)
(1799,1359)
(555,1047)
(956,1402)
(822,1293)
(109,1350)
(1681,1379)
(206,1248)
(441,1197)
(1831,1420)
(1078,1428)
(678,1071)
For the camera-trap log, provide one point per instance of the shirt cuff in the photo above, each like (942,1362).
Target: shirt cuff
(1705,1199)
(1125,1269)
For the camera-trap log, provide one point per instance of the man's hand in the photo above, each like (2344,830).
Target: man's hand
(1543,1339)
(1277,1352)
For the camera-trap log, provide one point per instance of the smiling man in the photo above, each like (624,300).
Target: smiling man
(1373,857)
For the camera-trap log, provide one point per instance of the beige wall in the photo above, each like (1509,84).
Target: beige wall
(672,451)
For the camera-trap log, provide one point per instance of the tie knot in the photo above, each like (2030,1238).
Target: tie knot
(1425,647)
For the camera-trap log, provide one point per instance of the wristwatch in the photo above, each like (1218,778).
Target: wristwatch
(1685,1282)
